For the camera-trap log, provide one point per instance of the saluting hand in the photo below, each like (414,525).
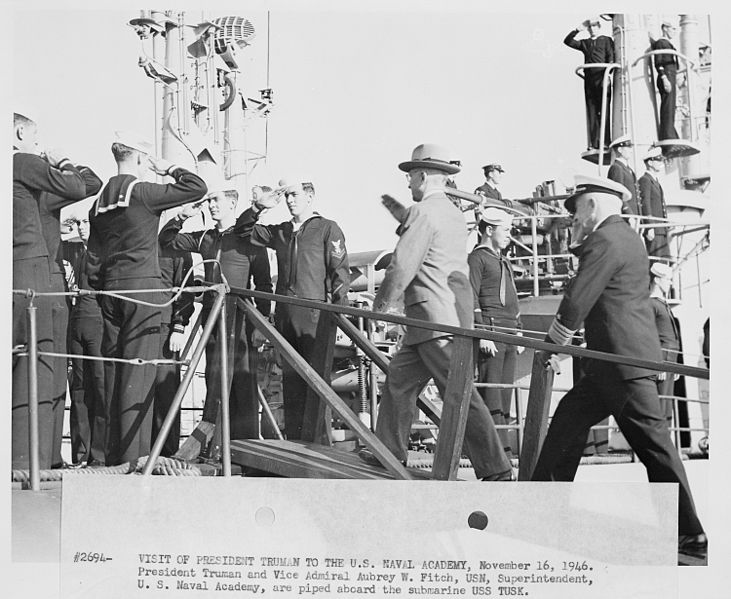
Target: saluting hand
(159,166)
(55,156)
(191,209)
(396,208)
(270,199)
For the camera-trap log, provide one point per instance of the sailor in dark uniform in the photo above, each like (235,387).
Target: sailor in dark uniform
(50,210)
(667,329)
(610,295)
(496,306)
(666,66)
(621,172)
(239,261)
(123,255)
(33,175)
(89,407)
(652,203)
(312,263)
(493,175)
(596,48)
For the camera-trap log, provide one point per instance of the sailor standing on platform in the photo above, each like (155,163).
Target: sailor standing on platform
(596,48)
(652,203)
(621,172)
(493,176)
(239,261)
(496,307)
(123,255)
(666,66)
(312,263)
(33,175)
(429,269)
(50,211)
(610,295)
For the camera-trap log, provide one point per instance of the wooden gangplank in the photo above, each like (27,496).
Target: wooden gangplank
(299,459)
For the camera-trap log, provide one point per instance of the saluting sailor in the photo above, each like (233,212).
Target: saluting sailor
(122,254)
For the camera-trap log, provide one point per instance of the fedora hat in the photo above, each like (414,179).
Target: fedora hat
(431,156)
(585,184)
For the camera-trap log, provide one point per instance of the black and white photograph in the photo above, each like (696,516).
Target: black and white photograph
(350,300)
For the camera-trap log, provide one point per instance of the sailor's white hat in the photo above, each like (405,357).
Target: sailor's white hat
(492,215)
(659,269)
(134,141)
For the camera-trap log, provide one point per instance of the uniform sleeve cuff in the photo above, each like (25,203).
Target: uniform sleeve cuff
(64,162)
(560,334)
(178,328)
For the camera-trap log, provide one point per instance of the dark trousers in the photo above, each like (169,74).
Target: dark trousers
(167,381)
(88,403)
(298,326)
(635,407)
(243,398)
(60,315)
(660,244)
(667,387)
(666,128)
(130,331)
(593,99)
(408,373)
(499,368)
(32,273)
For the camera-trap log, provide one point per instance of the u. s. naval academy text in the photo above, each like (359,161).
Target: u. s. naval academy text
(287,576)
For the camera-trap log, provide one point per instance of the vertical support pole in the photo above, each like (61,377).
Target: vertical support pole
(536,417)
(189,374)
(33,456)
(457,396)
(372,381)
(534,248)
(225,382)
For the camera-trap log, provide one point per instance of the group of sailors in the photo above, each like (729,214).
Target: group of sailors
(118,406)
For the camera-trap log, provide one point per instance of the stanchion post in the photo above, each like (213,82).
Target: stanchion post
(33,456)
(189,374)
(535,424)
(225,413)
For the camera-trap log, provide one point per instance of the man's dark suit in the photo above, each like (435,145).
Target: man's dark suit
(667,64)
(610,294)
(622,173)
(652,203)
(600,49)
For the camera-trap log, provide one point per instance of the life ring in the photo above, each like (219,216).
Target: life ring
(231,93)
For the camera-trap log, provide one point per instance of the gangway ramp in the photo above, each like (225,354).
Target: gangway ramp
(298,459)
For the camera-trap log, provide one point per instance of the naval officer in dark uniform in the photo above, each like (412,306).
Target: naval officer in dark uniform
(122,255)
(610,295)
(33,175)
(312,263)
(621,172)
(595,48)
(652,203)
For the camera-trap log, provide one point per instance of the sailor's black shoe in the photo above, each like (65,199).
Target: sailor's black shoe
(694,545)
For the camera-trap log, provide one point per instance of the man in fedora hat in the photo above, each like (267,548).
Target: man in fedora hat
(661,278)
(595,48)
(122,254)
(312,263)
(429,269)
(621,172)
(666,66)
(496,308)
(610,295)
(652,203)
(33,177)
